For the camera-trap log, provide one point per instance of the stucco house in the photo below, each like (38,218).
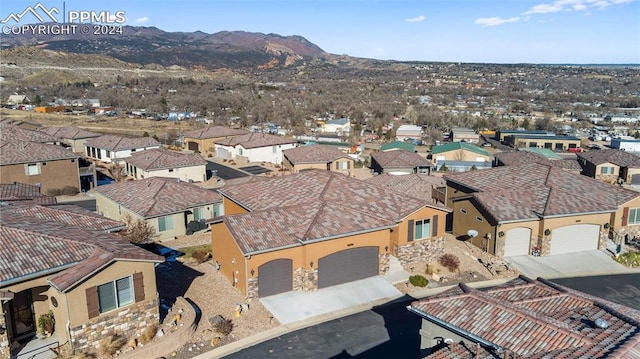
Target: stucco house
(188,167)
(611,166)
(72,137)
(316,229)
(254,147)
(51,167)
(166,204)
(85,277)
(525,318)
(404,132)
(339,126)
(460,157)
(112,148)
(203,139)
(324,157)
(399,161)
(537,207)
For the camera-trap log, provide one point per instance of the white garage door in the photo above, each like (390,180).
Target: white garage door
(517,242)
(575,238)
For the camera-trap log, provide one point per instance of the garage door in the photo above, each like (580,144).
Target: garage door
(347,266)
(275,277)
(575,238)
(517,242)
(222,153)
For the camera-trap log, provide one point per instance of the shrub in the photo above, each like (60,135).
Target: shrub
(110,345)
(70,191)
(429,270)
(200,255)
(54,192)
(221,325)
(418,281)
(630,259)
(449,261)
(148,334)
(47,323)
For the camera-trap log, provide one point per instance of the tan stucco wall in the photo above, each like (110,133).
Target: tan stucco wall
(230,207)
(321,166)
(225,250)
(462,223)
(460,155)
(193,173)
(399,235)
(55,175)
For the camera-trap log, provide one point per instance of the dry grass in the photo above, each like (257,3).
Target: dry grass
(110,345)
(148,334)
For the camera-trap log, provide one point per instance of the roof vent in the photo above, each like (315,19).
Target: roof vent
(601,323)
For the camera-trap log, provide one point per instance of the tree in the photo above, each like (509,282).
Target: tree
(138,231)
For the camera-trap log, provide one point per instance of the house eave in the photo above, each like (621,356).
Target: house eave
(35,275)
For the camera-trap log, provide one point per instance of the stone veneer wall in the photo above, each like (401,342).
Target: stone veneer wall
(252,288)
(425,250)
(127,321)
(4,338)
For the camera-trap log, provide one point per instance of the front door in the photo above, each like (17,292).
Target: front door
(23,322)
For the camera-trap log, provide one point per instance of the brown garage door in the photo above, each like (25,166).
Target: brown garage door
(275,277)
(347,266)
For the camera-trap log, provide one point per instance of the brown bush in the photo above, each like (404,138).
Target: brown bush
(54,192)
(449,261)
(148,334)
(70,191)
(201,255)
(111,344)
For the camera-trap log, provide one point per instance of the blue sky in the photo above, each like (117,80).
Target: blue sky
(490,31)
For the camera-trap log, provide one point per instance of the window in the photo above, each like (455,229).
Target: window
(607,170)
(115,294)
(108,153)
(165,223)
(240,151)
(422,229)
(342,165)
(274,149)
(32,169)
(199,213)
(634,216)
(218,210)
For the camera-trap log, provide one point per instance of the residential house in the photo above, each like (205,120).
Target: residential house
(423,186)
(51,167)
(460,157)
(398,145)
(324,157)
(166,204)
(188,167)
(537,207)
(72,137)
(339,126)
(316,229)
(112,148)
(611,166)
(84,277)
(255,147)
(16,99)
(462,134)
(549,141)
(404,132)
(23,193)
(525,318)
(399,161)
(530,155)
(626,144)
(203,140)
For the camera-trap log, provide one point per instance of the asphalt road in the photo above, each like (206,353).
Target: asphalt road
(390,331)
(224,172)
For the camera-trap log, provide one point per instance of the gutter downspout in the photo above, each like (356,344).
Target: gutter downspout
(68,325)
(459,331)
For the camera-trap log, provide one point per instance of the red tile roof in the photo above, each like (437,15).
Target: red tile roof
(534,319)
(255,140)
(158,159)
(314,154)
(16,152)
(69,133)
(157,196)
(537,190)
(399,158)
(213,132)
(117,143)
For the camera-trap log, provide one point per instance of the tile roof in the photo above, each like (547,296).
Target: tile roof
(453,146)
(314,154)
(157,196)
(534,319)
(35,246)
(10,132)
(255,140)
(213,132)
(21,192)
(536,190)
(617,157)
(69,133)
(158,159)
(70,214)
(416,184)
(400,159)
(522,157)
(16,152)
(118,143)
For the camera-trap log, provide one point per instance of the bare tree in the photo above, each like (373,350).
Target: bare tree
(138,231)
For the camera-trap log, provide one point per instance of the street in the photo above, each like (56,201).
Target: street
(224,172)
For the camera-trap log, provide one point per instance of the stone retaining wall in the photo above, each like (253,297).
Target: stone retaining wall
(420,251)
(4,338)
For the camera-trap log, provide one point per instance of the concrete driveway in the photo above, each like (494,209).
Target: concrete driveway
(295,306)
(580,264)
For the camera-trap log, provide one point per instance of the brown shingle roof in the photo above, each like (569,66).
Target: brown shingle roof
(68,133)
(314,154)
(536,190)
(117,143)
(618,157)
(213,132)
(536,319)
(157,196)
(255,140)
(72,215)
(21,192)
(16,152)
(35,247)
(399,158)
(524,157)
(158,159)
(9,132)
